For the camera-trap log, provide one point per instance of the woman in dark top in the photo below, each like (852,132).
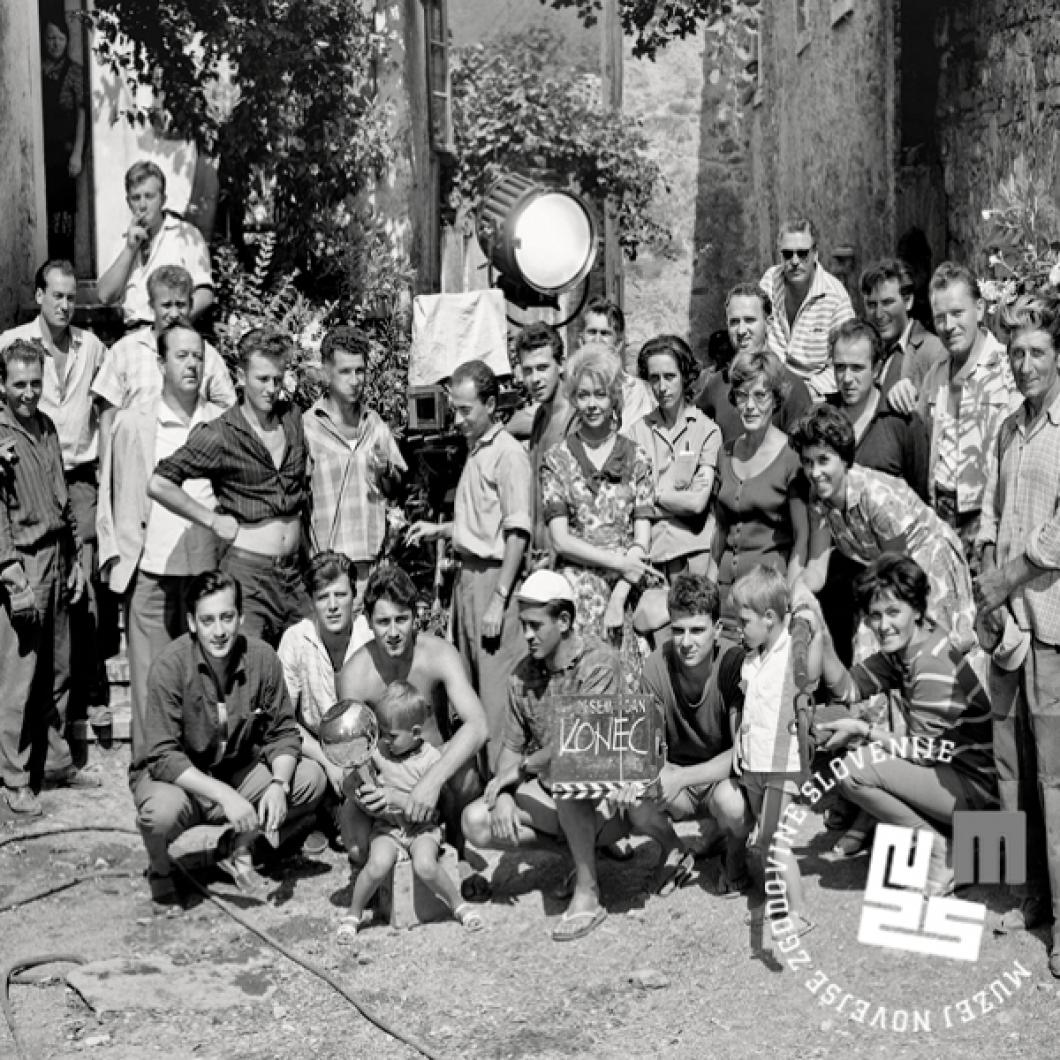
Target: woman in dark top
(761,507)
(63,107)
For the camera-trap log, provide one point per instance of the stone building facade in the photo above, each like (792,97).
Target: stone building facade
(891,120)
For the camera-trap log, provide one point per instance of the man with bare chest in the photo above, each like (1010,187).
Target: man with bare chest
(254,456)
(436,668)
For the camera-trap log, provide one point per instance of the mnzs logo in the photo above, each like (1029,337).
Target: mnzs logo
(894,914)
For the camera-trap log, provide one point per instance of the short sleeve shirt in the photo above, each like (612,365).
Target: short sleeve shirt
(694,439)
(695,731)
(176,243)
(130,373)
(594,670)
(494,496)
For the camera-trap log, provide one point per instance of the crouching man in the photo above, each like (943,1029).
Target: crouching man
(219,742)
(517,808)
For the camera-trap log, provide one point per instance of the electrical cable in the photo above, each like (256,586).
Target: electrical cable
(10,974)
(314,969)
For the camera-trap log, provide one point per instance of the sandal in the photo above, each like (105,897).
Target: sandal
(573,926)
(469,917)
(857,838)
(673,873)
(350,925)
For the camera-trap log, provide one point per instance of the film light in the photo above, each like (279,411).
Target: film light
(541,240)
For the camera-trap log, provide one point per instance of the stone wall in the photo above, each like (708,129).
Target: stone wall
(999,106)
(24,241)
(823,130)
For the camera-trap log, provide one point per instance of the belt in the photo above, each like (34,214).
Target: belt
(291,561)
(82,473)
(466,559)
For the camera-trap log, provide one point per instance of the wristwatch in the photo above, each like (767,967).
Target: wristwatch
(284,784)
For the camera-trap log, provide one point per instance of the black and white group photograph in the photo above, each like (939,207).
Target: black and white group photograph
(529,529)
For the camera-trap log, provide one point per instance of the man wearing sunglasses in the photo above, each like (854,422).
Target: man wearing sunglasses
(808,302)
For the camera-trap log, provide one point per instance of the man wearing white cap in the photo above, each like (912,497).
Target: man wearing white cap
(517,808)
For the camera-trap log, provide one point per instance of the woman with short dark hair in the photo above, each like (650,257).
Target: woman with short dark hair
(761,503)
(945,762)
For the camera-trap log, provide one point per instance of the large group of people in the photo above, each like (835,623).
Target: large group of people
(657,531)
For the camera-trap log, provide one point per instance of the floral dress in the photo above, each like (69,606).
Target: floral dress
(600,506)
(883,514)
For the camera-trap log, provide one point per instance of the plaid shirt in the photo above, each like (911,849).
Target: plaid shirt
(594,669)
(803,344)
(986,393)
(1021,514)
(349,509)
(130,374)
(246,482)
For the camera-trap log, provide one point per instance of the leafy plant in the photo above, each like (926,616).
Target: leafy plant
(1023,246)
(281,92)
(250,301)
(507,115)
(653,23)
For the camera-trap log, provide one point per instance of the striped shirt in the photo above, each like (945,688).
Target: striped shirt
(349,509)
(803,344)
(1021,517)
(942,699)
(246,482)
(67,402)
(965,415)
(130,373)
(34,503)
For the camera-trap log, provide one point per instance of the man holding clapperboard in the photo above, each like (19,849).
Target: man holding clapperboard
(564,709)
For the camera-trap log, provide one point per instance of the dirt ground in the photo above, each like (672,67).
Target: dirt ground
(674,977)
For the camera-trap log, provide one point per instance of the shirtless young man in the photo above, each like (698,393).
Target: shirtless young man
(254,457)
(436,668)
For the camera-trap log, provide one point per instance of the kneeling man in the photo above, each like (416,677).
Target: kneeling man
(219,741)
(697,695)
(517,808)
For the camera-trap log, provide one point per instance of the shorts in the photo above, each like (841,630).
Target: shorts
(768,796)
(404,835)
(533,798)
(699,795)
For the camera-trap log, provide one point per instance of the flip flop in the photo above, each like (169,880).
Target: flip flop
(672,875)
(586,921)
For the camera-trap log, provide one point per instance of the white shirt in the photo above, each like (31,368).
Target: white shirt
(765,745)
(68,402)
(307,668)
(173,545)
(175,243)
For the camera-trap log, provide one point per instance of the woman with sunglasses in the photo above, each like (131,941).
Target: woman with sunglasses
(761,507)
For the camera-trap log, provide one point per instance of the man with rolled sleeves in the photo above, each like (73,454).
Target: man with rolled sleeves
(219,743)
(491,527)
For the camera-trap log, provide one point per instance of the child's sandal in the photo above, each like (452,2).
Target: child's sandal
(469,917)
(350,925)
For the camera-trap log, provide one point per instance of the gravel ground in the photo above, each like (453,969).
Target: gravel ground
(674,977)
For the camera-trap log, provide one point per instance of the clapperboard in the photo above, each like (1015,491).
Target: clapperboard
(600,743)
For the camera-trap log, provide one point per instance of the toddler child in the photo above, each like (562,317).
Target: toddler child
(765,753)
(400,761)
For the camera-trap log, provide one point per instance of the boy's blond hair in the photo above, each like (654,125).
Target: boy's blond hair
(402,706)
(762,589)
